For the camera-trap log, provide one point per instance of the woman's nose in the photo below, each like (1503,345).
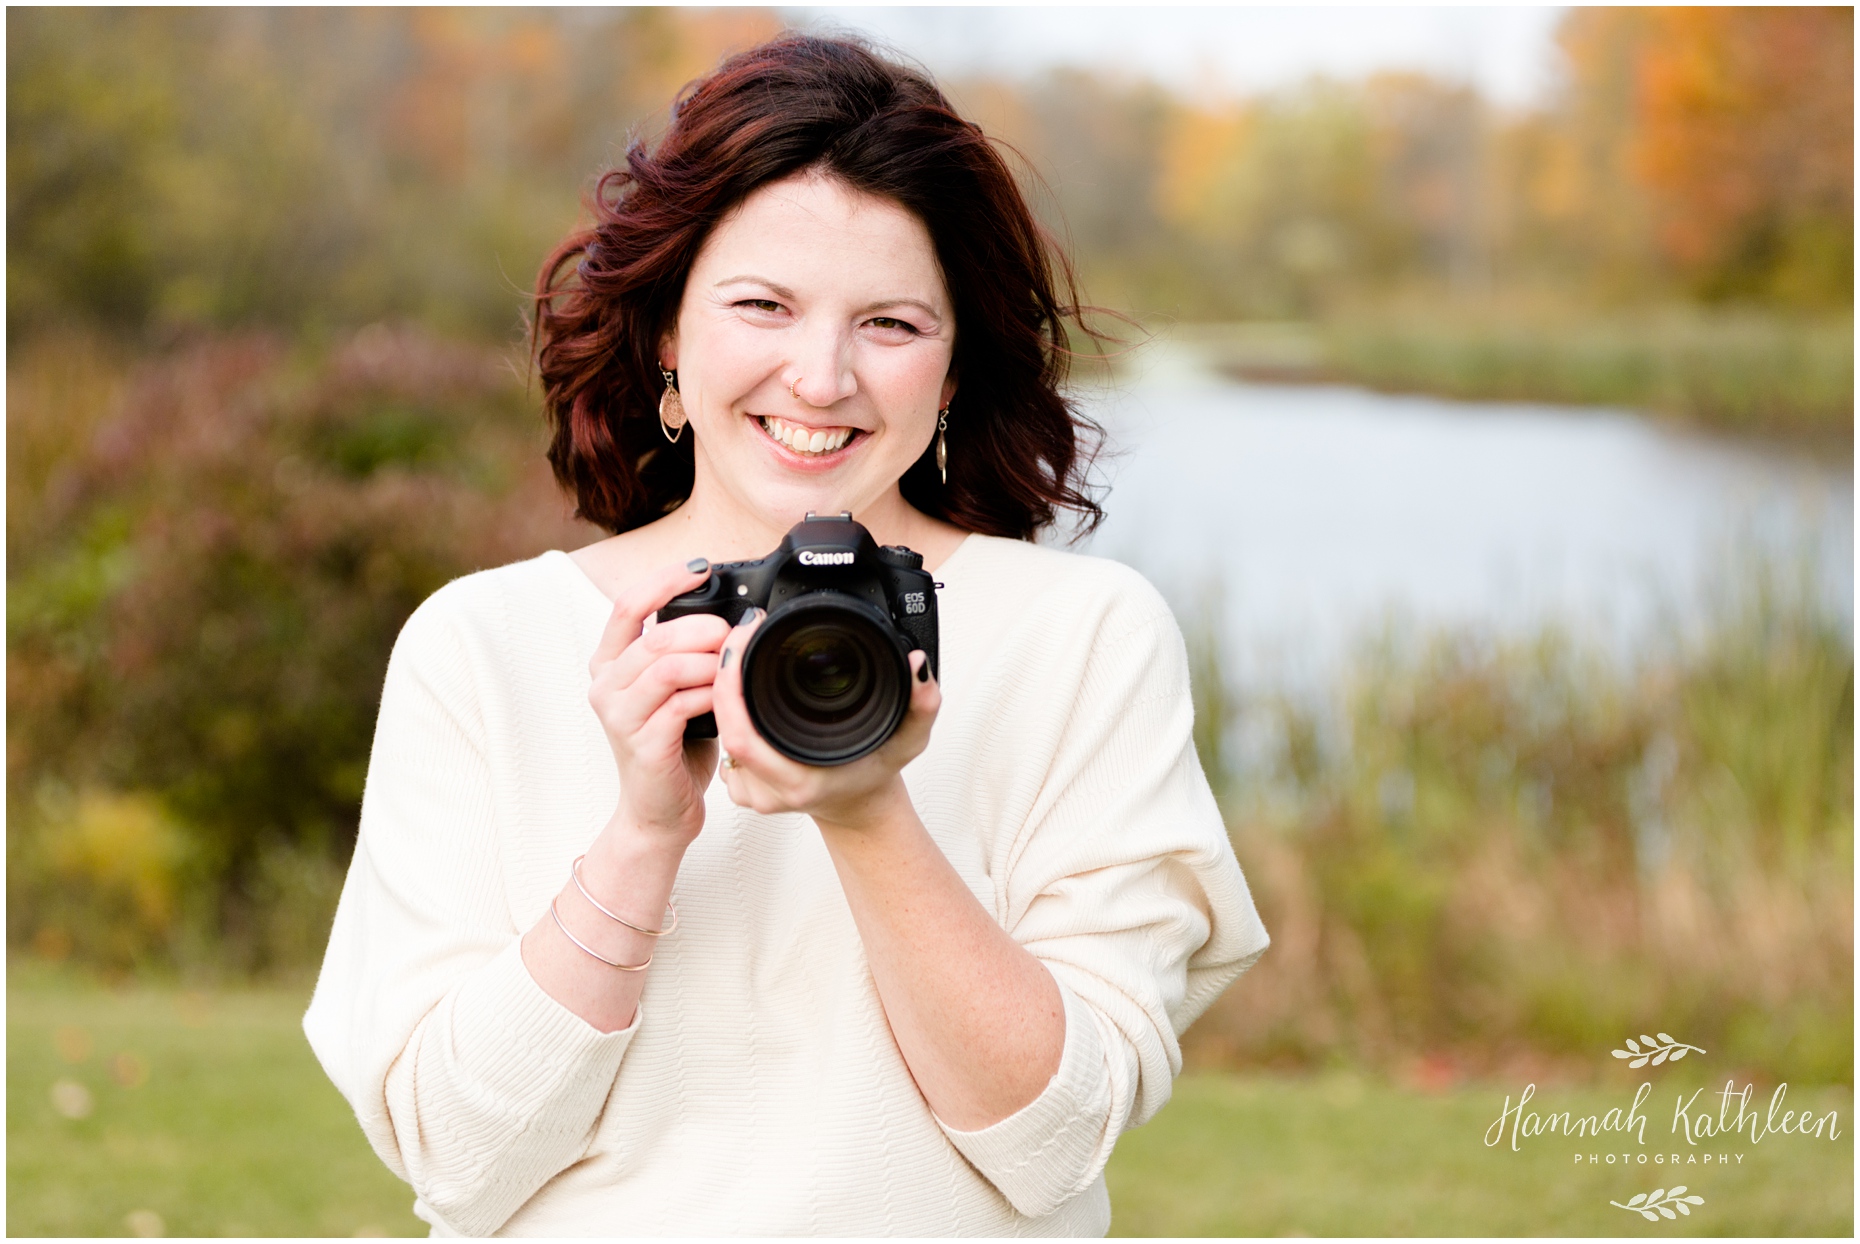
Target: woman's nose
(821,372)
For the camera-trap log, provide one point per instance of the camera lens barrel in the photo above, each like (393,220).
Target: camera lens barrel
(826,678)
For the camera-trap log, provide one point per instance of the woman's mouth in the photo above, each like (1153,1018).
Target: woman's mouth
(808,442)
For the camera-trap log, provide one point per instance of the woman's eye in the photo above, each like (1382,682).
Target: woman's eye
(761,304)
(889,322)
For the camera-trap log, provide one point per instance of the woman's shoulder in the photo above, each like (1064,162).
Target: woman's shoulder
(1018,614)
(1038,577)
(531,604)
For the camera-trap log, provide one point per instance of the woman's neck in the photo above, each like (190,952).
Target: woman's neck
(710,527)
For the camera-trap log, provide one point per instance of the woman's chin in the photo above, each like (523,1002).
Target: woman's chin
(784,486)
(783,508)
(781,503)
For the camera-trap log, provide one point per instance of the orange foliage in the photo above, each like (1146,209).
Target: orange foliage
(1737,126)
(1198,148)
(1746,112)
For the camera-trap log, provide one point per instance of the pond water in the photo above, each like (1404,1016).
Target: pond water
(1322,512)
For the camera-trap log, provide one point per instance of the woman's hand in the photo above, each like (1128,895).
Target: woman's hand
(848,796)
(647,683)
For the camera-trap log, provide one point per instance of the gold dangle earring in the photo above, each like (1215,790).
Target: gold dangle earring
(942,443)
(671,408)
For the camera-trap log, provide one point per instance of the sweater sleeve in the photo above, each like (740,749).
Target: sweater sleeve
(472,1084)
(1123,883)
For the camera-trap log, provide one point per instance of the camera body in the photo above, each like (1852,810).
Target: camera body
(826,676)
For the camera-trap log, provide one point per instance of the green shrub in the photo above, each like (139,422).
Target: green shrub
(207,567)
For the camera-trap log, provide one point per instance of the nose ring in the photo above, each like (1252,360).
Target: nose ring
(791,388)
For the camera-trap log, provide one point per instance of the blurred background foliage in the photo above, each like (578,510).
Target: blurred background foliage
(311,168)
(267,389)
(307,169)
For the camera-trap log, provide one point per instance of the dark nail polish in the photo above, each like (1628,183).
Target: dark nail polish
(697,565)
(923,672)
(723,660)
(757,614)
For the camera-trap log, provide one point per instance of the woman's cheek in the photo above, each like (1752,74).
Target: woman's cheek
(734,358)
(912,382)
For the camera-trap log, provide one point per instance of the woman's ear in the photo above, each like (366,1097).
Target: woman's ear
(668,351)
(949,390)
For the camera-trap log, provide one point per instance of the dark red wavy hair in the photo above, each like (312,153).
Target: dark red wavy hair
(607,295)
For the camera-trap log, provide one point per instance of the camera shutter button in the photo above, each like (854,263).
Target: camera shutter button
(898,555)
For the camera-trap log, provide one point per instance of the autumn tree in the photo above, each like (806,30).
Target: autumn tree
(1735,125)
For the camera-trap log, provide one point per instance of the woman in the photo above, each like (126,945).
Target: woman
(920,993)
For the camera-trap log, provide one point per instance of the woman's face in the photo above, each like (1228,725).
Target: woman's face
(813,350)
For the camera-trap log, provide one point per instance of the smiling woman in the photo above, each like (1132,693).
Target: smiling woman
(817,135)
(921,991)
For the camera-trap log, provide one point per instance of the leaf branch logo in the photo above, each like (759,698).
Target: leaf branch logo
(1660,1203)
(1658,1051)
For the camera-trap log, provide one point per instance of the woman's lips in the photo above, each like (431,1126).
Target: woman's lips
(805,441)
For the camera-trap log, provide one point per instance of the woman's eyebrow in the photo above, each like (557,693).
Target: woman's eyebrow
(919,303)
(748,278)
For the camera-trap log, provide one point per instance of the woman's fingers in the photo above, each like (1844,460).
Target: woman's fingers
(743,789)
(639,601)
(662,735)
(696,633)
(926,692)
(913,733)
(624,709)
(736,735)
(925,688)
(735,732)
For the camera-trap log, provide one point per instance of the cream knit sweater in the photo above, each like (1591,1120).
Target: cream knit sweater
(759,1091)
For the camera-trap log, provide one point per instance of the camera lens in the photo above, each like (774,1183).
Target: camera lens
(825,670)
(826,678)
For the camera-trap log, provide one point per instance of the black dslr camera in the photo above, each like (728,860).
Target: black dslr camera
(827,676)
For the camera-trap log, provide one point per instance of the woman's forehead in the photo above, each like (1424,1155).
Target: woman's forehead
(811,229)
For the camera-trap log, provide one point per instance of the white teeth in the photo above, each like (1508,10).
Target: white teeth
(807,440)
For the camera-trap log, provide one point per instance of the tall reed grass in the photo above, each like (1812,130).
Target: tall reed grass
(1487,853)
(1751,373)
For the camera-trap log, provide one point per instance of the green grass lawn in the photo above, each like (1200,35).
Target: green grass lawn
(209,1112)
(1342,1155)
(234,1131)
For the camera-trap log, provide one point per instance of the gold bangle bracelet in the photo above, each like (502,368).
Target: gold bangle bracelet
(574,871)
(624,967)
